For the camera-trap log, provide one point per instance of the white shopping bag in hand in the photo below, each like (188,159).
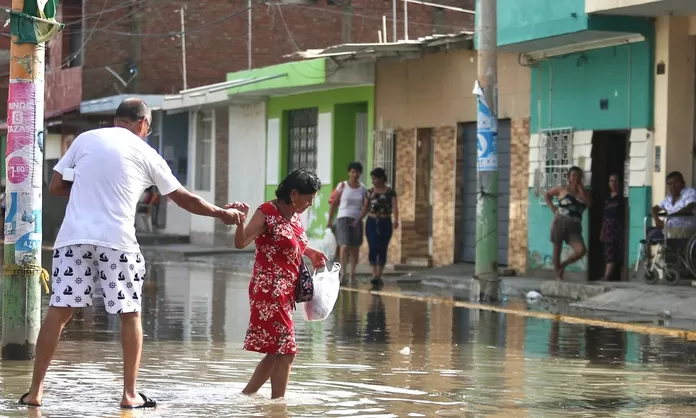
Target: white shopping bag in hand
(326,286)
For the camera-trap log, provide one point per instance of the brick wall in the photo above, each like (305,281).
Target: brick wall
(519,191)
(415,238)
(216,40)
(405,185)
(444,194)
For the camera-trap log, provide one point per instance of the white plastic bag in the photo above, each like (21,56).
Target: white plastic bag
(326,286)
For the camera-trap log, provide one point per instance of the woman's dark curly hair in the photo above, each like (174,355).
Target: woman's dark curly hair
(303,180)
(379,173)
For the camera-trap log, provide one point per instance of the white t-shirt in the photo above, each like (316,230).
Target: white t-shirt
(352,200)
(113,167)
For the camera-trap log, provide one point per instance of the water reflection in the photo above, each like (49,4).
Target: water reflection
(374,356)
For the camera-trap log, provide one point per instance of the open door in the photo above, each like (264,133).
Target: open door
(609,155)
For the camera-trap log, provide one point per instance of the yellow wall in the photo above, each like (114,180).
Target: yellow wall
(674,99)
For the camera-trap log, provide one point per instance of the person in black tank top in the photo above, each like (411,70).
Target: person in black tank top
(566,226)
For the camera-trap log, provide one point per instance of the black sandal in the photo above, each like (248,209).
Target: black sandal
(23,402)
(148,403)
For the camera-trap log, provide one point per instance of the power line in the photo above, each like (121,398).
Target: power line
(179,33)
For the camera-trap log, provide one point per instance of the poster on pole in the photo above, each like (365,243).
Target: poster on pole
(486,135)
(24,158)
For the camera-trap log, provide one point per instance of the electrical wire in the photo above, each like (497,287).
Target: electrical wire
(179,33)
(378,18)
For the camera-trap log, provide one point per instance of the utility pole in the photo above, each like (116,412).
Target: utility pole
(183,47)
(22,272)
(249,23)
(486,91)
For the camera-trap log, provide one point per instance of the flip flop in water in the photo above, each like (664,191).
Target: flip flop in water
(147,403)
(22,401)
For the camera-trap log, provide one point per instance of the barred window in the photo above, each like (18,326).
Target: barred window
(383,153)
(555,159)
(302,138)
(204,150)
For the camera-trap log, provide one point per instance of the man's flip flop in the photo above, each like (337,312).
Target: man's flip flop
(23,402)
(147,403)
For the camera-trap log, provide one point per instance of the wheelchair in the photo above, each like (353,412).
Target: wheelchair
(671,257)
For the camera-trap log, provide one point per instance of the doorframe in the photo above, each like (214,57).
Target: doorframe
(194,152)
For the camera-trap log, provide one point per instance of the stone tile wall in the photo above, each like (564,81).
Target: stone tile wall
(445,180)
(519,195)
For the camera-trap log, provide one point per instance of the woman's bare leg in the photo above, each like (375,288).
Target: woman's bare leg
(579,252)
(556,259)
(280,376)
(354,254)
(261,375)
(343,259)
(608,272)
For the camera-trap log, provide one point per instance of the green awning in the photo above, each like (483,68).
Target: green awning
(36,22)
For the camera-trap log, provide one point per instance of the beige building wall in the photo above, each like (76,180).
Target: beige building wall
(674,99)
(435,92)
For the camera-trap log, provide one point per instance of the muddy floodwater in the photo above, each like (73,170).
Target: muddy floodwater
(373,357)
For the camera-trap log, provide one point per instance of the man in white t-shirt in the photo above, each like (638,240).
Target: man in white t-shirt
(104,173)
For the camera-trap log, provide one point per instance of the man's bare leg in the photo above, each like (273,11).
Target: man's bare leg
(46,344)
(132,344)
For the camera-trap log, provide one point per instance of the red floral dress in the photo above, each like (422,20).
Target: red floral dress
(272,289)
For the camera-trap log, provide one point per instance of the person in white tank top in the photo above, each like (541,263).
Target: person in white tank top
(348,200)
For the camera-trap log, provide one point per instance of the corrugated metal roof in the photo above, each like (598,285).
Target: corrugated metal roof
(371,50)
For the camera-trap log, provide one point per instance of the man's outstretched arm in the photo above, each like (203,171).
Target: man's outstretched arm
(198,206)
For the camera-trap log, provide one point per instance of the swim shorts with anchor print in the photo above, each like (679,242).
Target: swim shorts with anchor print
(81,270)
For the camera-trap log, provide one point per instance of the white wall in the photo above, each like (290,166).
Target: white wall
(200,224)
(247,154)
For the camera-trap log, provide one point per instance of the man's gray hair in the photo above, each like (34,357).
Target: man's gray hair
(133,110)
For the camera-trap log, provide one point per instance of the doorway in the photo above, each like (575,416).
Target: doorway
(422,229)
(609,155)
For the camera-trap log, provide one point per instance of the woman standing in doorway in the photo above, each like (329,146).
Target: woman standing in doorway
(382,208)
(280,244)
(612,235)
(566,226)
(349,199)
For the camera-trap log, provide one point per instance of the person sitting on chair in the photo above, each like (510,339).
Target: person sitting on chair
(680,200)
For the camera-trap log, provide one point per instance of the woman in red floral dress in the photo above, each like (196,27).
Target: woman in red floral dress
(280,241)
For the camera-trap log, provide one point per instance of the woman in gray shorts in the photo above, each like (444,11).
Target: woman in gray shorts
(349,201)
(566,226)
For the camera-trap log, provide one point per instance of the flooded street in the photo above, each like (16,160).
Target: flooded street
(373,357)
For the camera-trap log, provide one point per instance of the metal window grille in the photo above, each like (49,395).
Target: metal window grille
(204,149)
(384,142)
(555,158)
(302,136)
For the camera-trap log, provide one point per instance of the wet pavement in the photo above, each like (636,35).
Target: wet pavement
(375,356)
